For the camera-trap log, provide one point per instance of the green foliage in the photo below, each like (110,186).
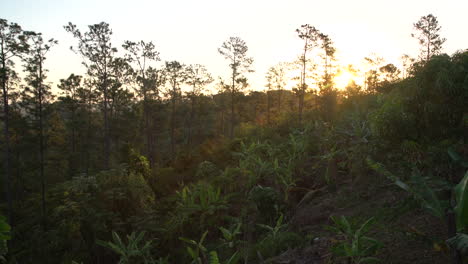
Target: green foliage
(391,122)
(126,193)
(230,235)
(215,260)
(255,159)
(266,200)
(461,209)
(459,242)
(138,164)
(195,179)
(424,189)
(4,237)
(164,180)
(197,250)
(277,239)
(132,252)
(200,202)
(354,244)
(457,158)
(273,231)
(262,160)
(207,170)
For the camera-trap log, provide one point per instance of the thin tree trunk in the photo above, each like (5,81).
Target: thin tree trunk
(173,126)
(73,141)
(106,126)
(222,122)
(303,83)
(301,104)
(231,134)
(268,107)
(428,45)
(41,149)
(6,160)
(234,73)
(149,141)
(279,101)
(88,133)
(190,123)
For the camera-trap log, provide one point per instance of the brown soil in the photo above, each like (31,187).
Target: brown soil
(409,235)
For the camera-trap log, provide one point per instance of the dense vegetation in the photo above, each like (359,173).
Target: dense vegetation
(121,166)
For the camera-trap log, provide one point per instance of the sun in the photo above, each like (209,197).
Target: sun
(343,78)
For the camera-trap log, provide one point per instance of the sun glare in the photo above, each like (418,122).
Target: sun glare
(343,78)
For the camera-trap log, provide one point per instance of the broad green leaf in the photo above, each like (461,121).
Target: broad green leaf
(369,260)
(192,253)
(459,242)
(214,258)
(234,258)
(226,234)
(457,158)
(190,241)
(461,209)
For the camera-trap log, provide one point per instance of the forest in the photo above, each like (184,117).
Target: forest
(141,161)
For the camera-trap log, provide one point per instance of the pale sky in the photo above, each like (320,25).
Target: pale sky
(191,31)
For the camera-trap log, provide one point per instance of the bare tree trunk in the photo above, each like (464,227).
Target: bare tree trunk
(279,101)
(303,83)
(301,103)
(428,56)
(106,125)
(233,120)
(41,148)
(88,134)
(222,121)
(73,142)
(173,126)
(149,140)
(190,123)
(6,131)
(268,107)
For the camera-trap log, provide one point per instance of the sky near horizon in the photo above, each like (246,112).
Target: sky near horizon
(192,31)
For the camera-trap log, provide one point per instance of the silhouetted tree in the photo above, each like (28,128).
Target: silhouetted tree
(310,35)
(95,47)
(41,94)
(12,44)
(71,89)
(428,35)
(235,51)
(176,75)
(277,76)
(142,54)
(390,74)
(328,57)
(372,76)
(275,81)
(197,77)
(406,62)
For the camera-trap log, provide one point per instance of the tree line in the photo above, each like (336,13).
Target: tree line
(129,108)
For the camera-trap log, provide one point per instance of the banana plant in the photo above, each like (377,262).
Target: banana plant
(460,240)
(429,200)
(273,231)
(214,259)
(230,236)
(132,251)
(202,200)
(196,250)
(285,176)
(355,246)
